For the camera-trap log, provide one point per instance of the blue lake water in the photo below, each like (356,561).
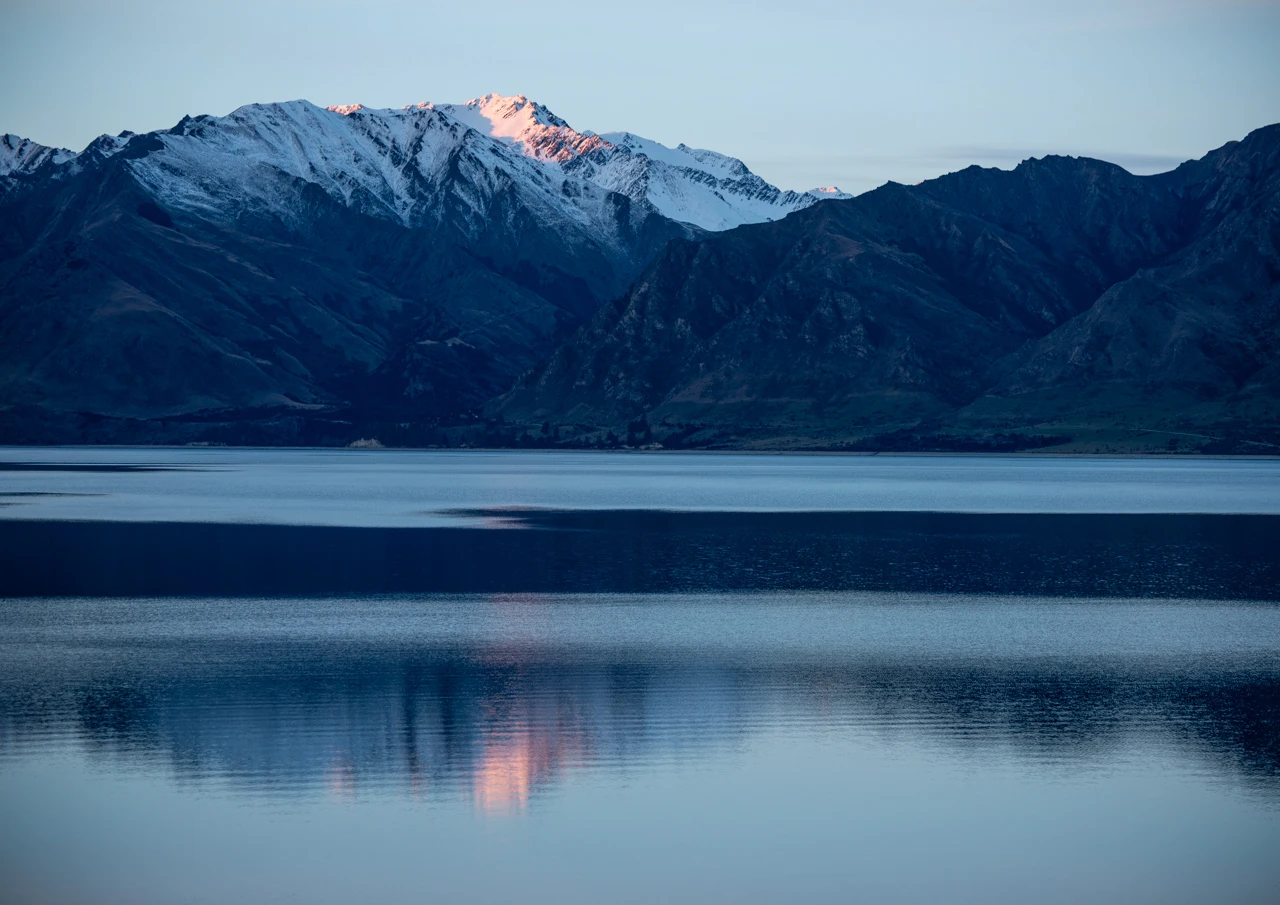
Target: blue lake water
(471,677)
(399,489)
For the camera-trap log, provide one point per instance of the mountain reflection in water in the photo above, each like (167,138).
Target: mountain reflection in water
(557,678)
(495,700)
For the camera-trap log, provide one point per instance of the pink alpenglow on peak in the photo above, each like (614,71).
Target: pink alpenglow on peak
(529,126)
(828,193)
(707,189)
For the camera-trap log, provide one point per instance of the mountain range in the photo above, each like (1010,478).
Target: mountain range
(482,273)
(291,258)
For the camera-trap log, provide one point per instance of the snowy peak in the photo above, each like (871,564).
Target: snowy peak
(720,166)
(107,145)
(22,155)
(828,192)
(520,122)
(517,110)
(705,188)
(391,162)
(416,166)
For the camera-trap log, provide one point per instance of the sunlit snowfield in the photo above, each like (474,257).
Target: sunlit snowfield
(637,678)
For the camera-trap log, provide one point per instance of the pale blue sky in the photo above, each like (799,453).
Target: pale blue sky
(807,92)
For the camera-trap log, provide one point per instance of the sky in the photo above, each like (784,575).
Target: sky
(806,92)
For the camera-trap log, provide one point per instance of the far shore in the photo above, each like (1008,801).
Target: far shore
(1020,454)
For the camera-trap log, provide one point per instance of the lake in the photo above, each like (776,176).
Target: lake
(378,676)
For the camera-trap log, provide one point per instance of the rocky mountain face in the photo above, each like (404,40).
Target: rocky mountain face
(707,189)
(704,188)
(22,155)
(408,263)
(249,277)
(984,309)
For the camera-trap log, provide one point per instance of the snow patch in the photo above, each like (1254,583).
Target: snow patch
(22,155)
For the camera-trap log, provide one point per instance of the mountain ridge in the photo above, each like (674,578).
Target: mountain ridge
(307,258)
(1057,298)
(290,273)
(703,188)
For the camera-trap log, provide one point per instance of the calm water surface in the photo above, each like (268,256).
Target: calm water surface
(404,677)
(397,489)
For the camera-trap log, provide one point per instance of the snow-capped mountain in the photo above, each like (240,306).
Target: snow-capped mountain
(22,155)
(709,190)
(417,166)
(407,263)
(701,187)
(518,121)
(434,161)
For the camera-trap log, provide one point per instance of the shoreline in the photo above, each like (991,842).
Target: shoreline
(1019,454)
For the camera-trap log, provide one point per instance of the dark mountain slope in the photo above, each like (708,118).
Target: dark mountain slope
(1065,295)
(116,303)
(1191,342)
(351,268)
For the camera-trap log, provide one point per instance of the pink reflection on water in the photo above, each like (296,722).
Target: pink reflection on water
(527,742)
